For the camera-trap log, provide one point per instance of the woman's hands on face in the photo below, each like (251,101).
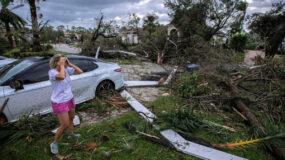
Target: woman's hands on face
(68,63)
(62,61)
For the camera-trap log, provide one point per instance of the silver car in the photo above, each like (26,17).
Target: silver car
(25,86)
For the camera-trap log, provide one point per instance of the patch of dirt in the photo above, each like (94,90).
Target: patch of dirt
(146,94)
(92,117)
(66,48)
(251,55)
(136,72)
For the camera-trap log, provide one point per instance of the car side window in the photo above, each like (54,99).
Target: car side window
(36,74)
(84,64)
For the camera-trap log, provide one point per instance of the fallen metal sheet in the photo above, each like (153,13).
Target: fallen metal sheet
(141,83)
(176,140)
(136,105)
(97,53)
(76,122)
(195,149)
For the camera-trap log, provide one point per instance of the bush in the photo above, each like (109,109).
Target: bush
(13,53)
(190,85)
(238,41)
(183,119)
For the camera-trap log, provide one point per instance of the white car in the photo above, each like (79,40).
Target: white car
(5,61)
(25,86)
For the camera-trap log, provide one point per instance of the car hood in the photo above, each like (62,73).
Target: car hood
(6,61)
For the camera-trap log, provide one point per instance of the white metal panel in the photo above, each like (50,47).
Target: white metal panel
(141,83)
(195,149)
(144,112)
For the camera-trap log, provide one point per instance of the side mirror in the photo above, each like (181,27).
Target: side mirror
(17,85)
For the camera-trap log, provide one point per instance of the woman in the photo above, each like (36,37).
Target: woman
(62,98)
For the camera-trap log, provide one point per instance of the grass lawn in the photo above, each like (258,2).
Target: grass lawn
(217,136)
(114,141)
(121,144)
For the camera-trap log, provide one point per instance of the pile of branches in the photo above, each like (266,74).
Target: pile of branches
(256,95)
(27,128)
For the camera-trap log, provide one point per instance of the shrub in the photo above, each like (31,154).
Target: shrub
(183,119)
(12,53)
(238,41)
(190,85)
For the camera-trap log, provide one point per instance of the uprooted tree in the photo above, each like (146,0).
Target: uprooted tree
(103,29)
(270,26)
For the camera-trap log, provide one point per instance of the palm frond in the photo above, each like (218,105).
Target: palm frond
(245,143)
(8,16)
(5,3)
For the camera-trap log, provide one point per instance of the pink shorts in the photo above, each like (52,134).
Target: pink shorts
(64,107)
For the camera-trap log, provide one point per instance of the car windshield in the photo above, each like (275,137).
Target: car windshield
(13,69)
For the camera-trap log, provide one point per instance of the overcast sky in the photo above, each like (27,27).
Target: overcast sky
(84,12)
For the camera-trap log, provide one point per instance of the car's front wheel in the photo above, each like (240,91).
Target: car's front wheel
(105,89)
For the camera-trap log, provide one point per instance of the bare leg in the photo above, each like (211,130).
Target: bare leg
(64,124)
(71,114)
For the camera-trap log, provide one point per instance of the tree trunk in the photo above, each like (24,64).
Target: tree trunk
(160,57)
(35,26)
(10,36)
(276,151)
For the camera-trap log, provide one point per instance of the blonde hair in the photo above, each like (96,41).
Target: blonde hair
(54,60)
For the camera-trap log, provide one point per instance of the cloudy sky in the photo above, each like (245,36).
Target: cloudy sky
(84,12)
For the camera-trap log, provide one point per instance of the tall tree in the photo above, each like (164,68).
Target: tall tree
(270,26)
(150,23)
(35,25)
(205,17)
(133,22)
(8,18)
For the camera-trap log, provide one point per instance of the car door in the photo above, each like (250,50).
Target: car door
(34,98)
(83,85)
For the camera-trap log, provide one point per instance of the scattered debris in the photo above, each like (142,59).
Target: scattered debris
(171,75)
(192,67)
(165,94)
(117,101)
(91,146)
(219,125)
(175,139)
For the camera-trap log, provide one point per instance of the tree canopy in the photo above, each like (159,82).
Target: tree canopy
(270,26)
(205,18)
